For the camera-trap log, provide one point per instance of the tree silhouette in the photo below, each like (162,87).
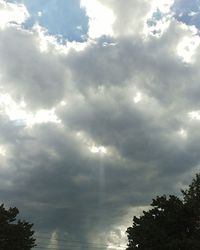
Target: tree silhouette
(172,223)
(14,235)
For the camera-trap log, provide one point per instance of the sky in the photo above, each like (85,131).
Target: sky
(99,113)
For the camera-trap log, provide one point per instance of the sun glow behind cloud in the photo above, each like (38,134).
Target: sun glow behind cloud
(98,149)
(17,112)
(183,133)
(138,97)
(194,115)
(91,145)
(2,151)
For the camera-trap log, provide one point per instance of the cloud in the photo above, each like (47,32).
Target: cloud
(128,129)
(28,73)
(129,16)
(101,18)
(12,13)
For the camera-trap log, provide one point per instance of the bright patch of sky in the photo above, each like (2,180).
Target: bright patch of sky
(93,148)
(137,98)
(19,114)
(98,149)
(64,18)
(183,133)
(194,115)
(2,151)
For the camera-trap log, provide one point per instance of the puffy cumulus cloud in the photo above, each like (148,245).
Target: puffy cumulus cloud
(12,13)
(116,18)
(27,73)
(188,46)
(101,18)
(129,16)
(112,125)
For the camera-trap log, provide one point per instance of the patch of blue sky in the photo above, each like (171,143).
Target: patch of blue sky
(187,11)
(153,20)
(62,18)
(157,15)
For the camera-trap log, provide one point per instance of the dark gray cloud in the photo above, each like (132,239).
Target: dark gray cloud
(27,72)
(132,99)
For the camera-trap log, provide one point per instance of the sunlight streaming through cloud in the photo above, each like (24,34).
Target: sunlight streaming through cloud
(19,113)
(2,150)
(90,144)
(53,243)
(98,149)
(194,115)
(138,97)
(183,133)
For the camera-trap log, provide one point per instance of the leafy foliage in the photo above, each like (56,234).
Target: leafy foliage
(14,235)
(171,224)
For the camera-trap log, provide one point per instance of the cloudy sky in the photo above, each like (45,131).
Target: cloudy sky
(99,112)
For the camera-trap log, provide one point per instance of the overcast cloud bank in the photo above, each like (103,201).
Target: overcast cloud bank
(90,131)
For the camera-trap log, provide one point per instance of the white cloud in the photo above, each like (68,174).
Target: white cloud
(63,103)
(130,16)
(2,151)
(194,115)
(98,149)
(183,133)
(12,13)
(192,13)
(40,13)
(187,47)
(101,18)
(164,6)
(18,112)
(158,18)
(47,42)
(138,97)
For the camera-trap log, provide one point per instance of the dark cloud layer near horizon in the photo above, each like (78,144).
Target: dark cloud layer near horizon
(91,131)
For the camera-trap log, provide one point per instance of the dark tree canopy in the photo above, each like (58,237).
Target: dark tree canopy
(14,235)
(171,224)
